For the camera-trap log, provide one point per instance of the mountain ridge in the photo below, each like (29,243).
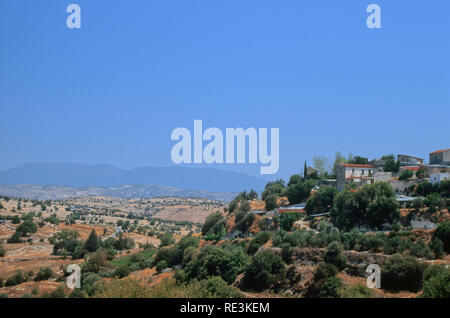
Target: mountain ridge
(103,175)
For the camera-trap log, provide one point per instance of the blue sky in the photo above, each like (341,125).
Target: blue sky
(113,91)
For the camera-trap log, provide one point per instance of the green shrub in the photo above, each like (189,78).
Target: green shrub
(324,271)
(286,252)
(287,220)
(265,269)
(93,242)
(161,265)
(121,272)
(436,282)
(16,279)
(405,175)
(166,239)
(26,228)
(44,273)
(321,201)
(219,288)
(226,262)
(271,202)
(59,292)
(244,224)
(2,251)
(356,291)
(91,284)
(329,287)
(239,216)
(437,247)
(401,272)
(15,238)
(210,221)
(334,256)
(442,232)
(260,239)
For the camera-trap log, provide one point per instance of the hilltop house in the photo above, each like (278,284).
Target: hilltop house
(440,157)
(360,174)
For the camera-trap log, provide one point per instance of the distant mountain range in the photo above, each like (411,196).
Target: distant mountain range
(30,191)
(83,175)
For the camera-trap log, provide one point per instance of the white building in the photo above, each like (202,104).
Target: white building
(356,173)
(438,177)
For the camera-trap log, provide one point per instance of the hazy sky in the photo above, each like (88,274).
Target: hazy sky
(113,91)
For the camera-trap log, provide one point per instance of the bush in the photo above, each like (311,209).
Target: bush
(326,284)
(219,288)
(299,192)
(210,221)
(434,202)
(16,279)
(2,251)
(271,202)
(324,271)
(180,276)
(121,272)
(226,262)
(26,228)
(95,262)
(59,292)
(405,175)
(321,201)
(44,274)
(15,238)
(67,240)
(265,269)
(160,266)
(260,239)
(401,272)
(15,219)
(437,247)
(436,282)
(91,284)
(92,244)
(329,287)
(166,239)
(334,256)
(78,293)
(356,291)
(287,220)
(443,233)
(239,216)
(245,223)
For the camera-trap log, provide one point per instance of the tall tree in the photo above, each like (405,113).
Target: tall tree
(92,243)
(320,164)
(305,174)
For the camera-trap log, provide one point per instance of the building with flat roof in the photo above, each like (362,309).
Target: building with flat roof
(440,157)
(406,160)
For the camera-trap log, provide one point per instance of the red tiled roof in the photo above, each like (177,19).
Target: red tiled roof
(356,165)
(291,210)
(412,168)
(439,151)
